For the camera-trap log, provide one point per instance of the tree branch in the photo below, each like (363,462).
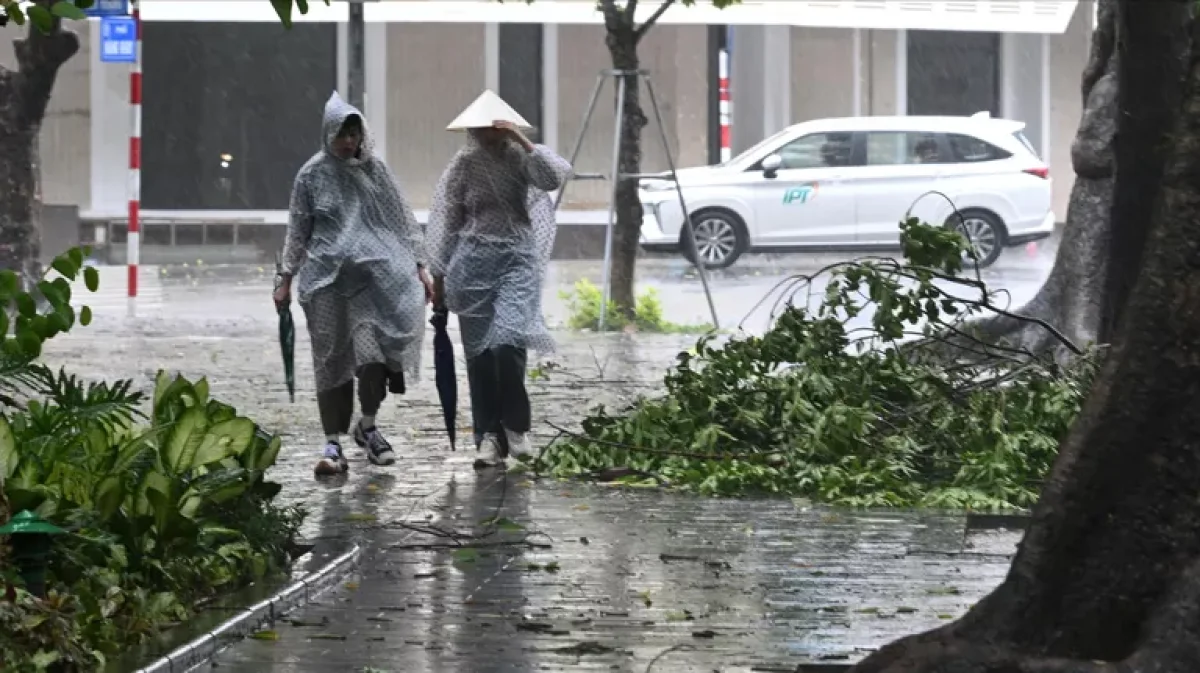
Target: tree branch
(649,23)
(39,56)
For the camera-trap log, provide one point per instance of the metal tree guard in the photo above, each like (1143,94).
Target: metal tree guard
(620,80)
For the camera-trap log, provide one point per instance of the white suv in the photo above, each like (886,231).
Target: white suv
(847,183)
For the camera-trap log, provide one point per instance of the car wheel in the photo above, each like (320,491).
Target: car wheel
(984,231)
(720,239)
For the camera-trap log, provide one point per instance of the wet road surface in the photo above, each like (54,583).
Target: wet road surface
(607,579)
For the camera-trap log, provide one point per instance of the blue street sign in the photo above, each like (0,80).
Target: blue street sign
(108,8)
(118,39)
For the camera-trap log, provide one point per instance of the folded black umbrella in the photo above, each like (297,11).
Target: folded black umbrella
(287,336)
(443,364)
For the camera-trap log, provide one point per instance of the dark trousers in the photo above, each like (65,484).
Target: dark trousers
(498,398)
(337,404)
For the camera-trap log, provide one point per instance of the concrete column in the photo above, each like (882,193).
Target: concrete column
(111,123)
(1024,85)
(376,99)
(857,68)
(550,95)
(491,56)
(901,72)
(760,83)
(343,57)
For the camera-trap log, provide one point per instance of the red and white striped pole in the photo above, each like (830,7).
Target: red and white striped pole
(134,232)
(725,105)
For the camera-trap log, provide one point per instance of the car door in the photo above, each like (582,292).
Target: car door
(899,168)
(807,201)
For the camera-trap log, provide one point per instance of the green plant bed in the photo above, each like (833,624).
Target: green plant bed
(583,304)
(162,507)
(847,410)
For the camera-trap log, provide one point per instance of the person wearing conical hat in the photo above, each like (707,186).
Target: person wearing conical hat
(490,234)
(354,247)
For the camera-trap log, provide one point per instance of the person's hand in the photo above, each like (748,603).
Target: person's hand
(283,294)
(513,132)
(423,275)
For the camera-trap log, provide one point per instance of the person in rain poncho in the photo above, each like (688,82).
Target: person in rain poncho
(491,230)
(355,250)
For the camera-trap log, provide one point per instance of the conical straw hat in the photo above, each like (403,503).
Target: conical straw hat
(484,112)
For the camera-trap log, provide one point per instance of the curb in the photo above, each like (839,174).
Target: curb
(204,648)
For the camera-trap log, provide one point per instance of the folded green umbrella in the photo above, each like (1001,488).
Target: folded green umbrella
(287,335)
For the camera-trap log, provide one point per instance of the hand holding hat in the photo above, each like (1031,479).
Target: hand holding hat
(514,132)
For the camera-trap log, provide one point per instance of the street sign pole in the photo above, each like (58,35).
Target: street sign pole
(121,42)
(133,242)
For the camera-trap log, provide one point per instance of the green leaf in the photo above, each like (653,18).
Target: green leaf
(184,440)
(9,458)
(25,305)
(91,278)
(85,316)
(41,17)
(302,6)
(67,10)
(466,555)
(10,283)
(284,9)
(230,438)
(15,14)
(85,4)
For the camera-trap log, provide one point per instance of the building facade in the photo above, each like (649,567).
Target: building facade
(233,101)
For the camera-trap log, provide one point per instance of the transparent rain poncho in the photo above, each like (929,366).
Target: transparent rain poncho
(491,231)
(353,246)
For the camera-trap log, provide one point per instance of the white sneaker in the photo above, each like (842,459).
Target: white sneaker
(491,448)
(518,444)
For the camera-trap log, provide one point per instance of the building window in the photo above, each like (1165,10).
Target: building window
(231,111)
(953,72)
(521,72)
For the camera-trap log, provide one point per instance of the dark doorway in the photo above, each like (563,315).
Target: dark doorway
(231,111)
(953,72)
(521,71)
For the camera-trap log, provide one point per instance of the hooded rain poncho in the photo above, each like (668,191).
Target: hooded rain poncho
(491,231)
(353,245)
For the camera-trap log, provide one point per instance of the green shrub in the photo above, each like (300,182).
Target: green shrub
(163,509)
(857,416)
(584,305)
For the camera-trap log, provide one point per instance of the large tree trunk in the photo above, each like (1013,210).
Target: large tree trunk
(622,42)
(24,95)
(1108,576)
(1072,296)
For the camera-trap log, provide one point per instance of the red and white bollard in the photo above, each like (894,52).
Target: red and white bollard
(725,105)
(134,231)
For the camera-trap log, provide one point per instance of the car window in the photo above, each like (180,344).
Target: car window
(817,150)
(969,149)
(894,148)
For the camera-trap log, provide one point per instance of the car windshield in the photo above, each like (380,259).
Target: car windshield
(761,144)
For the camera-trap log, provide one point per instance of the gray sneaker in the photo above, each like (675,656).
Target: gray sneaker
(379,452)
(333,461)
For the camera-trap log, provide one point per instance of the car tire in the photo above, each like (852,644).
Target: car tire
(721,236)
(984,228)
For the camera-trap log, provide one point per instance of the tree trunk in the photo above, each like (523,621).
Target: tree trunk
(622,41)
(1107,579)
(24,95)
(1071,298)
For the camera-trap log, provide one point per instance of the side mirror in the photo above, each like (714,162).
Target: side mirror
(771,166)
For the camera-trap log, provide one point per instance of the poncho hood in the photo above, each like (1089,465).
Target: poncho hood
(337,111)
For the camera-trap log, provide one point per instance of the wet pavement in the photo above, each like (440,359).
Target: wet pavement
(596,578)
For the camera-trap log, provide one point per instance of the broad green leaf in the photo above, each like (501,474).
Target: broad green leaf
(63,263)
(200,391)
(91,278)
(184,440)
(76,254)
(25,305)
(9,457)
(283,8)
(110,493)
(41,17)
(85,315)
(67,10)
(15,14)
(228,438)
